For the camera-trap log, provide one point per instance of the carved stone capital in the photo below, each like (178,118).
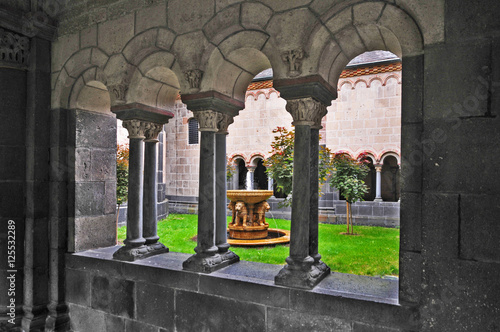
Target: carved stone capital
(119,92)
(194,77)
(305,111)
(378,168)
(14,48)
(151,131)
(207,120)
(223,122)
(293,58)
(319,116)
(136,128)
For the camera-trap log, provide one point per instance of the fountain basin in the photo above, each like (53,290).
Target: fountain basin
(248,208)
(249,196)
(275,236)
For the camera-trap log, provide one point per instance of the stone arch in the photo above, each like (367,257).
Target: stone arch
(396,77)
(365,27)
(344,82)
(155,81)
(90,96)
(237,156)
(390,153)
(345,151)
(358,81)
(378,79)
(85,65)
(366,154)
(254,158)
(235,61)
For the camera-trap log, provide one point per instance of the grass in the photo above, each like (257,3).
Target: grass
(374,252)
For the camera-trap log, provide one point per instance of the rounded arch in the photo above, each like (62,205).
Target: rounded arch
(392,76)
(390,153)
(155,81)
(344,82)
(344,151)
(237,156)
(376,79)
(90,96)
(366,154)
(235,62)
(364,27)
(81,67)
(360,81)
(255,157)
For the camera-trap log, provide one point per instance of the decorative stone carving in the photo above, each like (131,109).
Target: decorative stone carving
(294,60)
(207,120)
(120,91)
(14,48)
(305,111)
(136,128)
(223,122)
(194,77)
(152,130)
(319,116)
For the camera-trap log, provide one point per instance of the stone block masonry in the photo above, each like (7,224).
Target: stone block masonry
(155,294)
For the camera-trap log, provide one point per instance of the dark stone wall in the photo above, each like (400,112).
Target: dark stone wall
(12,175)
(92,180)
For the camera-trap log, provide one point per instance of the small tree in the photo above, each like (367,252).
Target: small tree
(122,153)
(280,165)
(347,177)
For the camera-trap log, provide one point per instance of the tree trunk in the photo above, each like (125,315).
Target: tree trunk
(347,215)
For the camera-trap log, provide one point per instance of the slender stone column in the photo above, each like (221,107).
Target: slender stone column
(207,258)
(270,183)
(300,270)
(314,202)
(150,215)
(224,121)
(250,177)
(134,243)
(378,186)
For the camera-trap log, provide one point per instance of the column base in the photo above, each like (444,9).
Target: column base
(378,200)
(135,253)
(305,278)
(229,257)
(58,318)
(156,248)
(208,264)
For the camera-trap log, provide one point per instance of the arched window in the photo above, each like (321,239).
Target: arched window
(193,131)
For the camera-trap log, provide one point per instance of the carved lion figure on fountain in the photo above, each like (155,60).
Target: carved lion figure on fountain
(240,213)
(259,216)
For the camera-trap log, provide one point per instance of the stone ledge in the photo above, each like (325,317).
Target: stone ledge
(372,289)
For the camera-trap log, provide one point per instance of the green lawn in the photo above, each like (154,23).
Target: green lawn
(373,252)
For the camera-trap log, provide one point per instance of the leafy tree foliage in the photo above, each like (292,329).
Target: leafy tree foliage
(346,176)
(340,170)
(280,165)
(122,154)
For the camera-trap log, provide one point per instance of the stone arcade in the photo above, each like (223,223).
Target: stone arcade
(67,66)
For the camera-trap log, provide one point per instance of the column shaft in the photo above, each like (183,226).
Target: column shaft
(206,206)
(220,193)
(314,204)
(150,193)
(249,184)
(378,186)
(299,233)
(135,188)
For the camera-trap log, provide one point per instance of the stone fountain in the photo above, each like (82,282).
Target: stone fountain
(249,208)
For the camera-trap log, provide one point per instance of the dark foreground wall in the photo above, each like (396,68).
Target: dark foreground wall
(156,295)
